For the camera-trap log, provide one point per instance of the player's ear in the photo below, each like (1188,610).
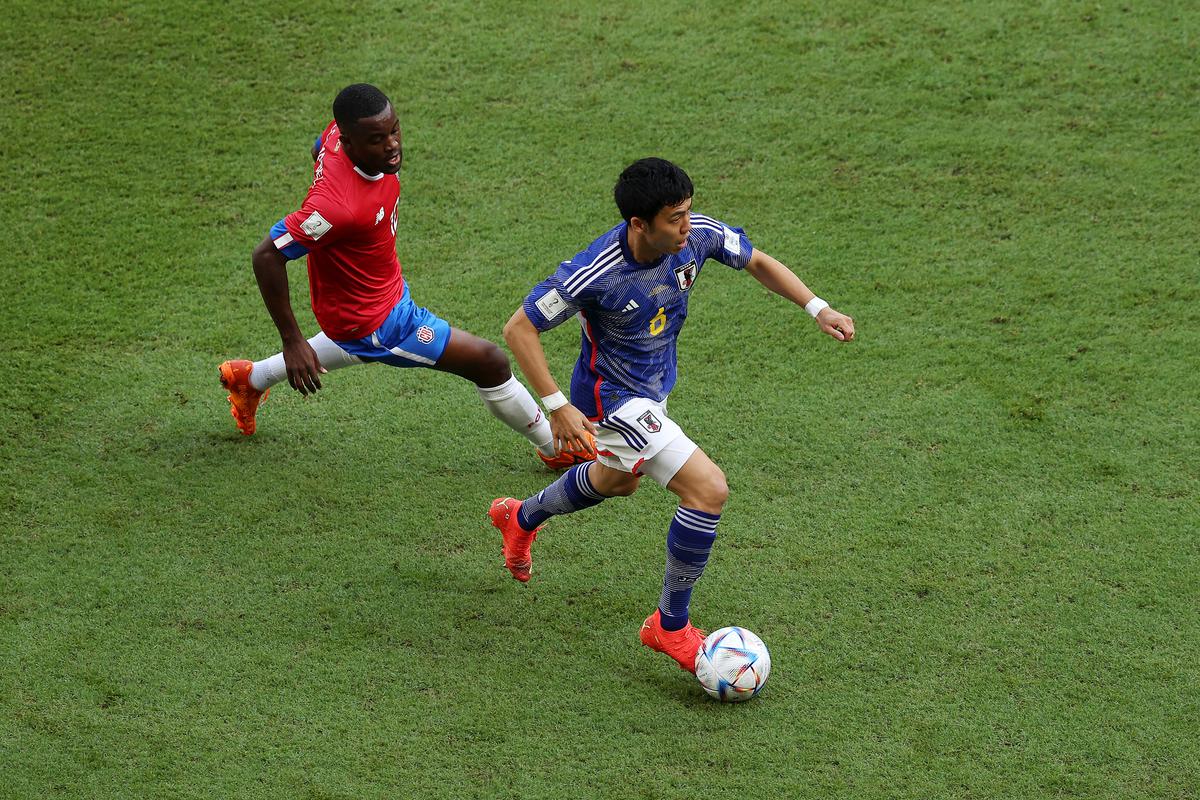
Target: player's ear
(638,224)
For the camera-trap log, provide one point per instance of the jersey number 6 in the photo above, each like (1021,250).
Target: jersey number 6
(659,322)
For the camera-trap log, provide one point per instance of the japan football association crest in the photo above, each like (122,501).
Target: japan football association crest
(685,276)
(650,422)
(424,334)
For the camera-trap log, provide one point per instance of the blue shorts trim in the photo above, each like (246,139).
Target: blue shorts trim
(411,336)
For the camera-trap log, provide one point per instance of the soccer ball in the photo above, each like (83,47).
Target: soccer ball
(733,664)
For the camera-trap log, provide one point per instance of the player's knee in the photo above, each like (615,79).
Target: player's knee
(710,493)
(623,488)
(491,365)
(717,489)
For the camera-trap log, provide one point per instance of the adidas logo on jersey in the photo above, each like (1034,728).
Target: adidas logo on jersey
(630,307)
(379,216)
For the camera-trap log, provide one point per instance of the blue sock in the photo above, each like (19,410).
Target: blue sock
(689,541)
(572,492)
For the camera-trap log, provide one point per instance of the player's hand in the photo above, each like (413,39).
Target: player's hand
(304,369)
(836,324)
(571,430)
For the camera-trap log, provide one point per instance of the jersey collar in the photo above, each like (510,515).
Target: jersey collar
(367,176)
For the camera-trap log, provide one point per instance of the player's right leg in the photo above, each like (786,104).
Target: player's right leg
(249,382)
(582,486)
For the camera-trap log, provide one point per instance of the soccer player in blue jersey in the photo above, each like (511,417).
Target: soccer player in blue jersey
(629,289)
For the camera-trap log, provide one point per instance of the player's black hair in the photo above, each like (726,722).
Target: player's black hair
(356,101)
(649,185)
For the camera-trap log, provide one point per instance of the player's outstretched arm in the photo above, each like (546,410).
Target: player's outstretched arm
(782,281)
(270,270)
(568,424)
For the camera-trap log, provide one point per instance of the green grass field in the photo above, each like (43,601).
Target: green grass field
(969,538)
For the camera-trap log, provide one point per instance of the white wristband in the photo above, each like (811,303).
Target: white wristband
(553,402)
(815,306)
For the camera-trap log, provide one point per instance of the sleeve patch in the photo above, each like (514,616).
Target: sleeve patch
(733,242)
(550,304)
(315,226)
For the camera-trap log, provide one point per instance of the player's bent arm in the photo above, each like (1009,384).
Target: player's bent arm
(270,271)
(525,341)
(771,273)
(567,423)
(775,276)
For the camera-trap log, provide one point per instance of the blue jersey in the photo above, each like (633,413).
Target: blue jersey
(631,313)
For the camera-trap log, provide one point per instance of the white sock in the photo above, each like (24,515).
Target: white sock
(511,403)
(270,371)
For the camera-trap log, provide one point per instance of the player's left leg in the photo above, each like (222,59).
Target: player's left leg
(485,364)
(687,471)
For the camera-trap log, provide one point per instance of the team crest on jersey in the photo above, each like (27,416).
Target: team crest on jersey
(685,276)
(424,334)
(650,422)
(315,226)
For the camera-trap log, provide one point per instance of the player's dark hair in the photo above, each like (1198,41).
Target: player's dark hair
(357,101)
(648,186)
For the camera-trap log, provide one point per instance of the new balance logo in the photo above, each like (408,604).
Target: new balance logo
(632,305)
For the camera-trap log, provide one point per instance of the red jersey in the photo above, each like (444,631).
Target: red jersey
(347,224)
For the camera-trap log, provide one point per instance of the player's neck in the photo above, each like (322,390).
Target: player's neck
(641,250)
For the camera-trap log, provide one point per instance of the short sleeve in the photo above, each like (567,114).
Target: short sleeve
(559,297)
(319,222)
(284,242)
(720,242)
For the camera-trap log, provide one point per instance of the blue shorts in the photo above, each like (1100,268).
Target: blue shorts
(411,336)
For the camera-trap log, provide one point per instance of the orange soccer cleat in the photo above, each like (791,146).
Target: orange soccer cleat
(569,458)
(681,645)
(517,540)
(243,398)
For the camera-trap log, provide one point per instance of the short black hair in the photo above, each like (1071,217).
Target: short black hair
(356,101)
(649,185)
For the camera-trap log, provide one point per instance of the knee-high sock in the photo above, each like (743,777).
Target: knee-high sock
(573,491)
(511,403)
(689,541)
(270,371)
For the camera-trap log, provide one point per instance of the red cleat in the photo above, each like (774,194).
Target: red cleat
(517,540)
(681,645)
(243,398)
(569,458)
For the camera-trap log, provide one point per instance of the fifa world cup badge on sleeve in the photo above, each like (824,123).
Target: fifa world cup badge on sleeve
(315,226)
(550,304)
(733,242)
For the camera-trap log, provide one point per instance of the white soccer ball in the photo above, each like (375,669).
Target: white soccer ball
(733,664)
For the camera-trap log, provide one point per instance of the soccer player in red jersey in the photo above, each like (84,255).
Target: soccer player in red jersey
(346,227)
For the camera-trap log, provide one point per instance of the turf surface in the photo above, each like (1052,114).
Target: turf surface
(969,538)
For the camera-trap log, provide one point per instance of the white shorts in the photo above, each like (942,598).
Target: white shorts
(641,439)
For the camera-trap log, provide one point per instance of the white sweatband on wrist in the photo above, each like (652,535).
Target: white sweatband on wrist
(815,306)
(553,402)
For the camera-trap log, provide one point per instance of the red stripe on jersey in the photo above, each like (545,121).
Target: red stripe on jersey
(638,466)
(592,364)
